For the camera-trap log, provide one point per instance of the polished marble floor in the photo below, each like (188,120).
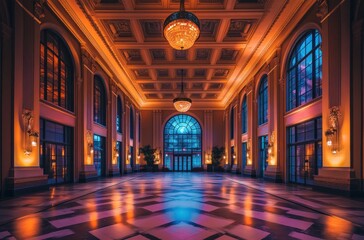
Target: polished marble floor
(180,206)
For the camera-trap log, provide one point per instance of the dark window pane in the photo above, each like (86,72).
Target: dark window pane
(100,103)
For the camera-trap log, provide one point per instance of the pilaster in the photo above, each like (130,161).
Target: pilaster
(337,172)
(275,118)
(249,169)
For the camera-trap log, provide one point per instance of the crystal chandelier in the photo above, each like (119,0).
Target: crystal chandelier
(181,29)
(182,103)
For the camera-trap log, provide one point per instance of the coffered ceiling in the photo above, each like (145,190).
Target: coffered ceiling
(237,36)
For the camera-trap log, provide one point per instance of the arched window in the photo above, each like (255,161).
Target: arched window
(244,116)
(119,115)
(56,71)
(131,123)
(182,143)
(232,123)
(263,101)
(99,101)
(304,73)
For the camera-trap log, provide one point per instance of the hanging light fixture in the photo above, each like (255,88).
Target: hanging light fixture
(181,29)
(182,103)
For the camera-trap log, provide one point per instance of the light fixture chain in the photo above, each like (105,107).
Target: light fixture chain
(182,6)
(182,88)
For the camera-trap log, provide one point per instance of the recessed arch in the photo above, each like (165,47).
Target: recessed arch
(57,79)
(304,70)
(293,41)
(71,44)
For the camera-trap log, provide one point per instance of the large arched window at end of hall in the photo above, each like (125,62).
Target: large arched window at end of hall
(244,116)
(304,70)
(182,143)
(56,71)
(263,101)
(99,101)
(119,115)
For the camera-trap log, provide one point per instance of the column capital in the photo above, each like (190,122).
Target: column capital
(38,8)
(323,9)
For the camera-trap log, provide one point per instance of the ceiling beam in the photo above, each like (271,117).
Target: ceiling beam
(162,14)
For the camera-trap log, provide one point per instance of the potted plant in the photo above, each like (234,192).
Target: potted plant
(149,156)
(216,156)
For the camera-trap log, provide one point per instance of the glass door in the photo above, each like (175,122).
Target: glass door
(182,163)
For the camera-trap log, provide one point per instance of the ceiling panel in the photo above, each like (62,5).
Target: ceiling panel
(131,31)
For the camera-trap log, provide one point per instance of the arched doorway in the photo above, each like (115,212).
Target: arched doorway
(182,144)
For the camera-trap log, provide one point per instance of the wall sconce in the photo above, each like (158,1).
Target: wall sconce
(249,161)
(208,158)
(90,145)
(116,150)
(332,135)
(31,136)
(270,148)
(271,143)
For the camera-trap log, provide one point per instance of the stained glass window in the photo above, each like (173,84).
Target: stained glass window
(304,73)
(56,71)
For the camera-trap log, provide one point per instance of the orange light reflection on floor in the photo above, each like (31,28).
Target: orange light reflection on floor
(335,226)
(116,205)
(28,227)
(93,220)
(248,206)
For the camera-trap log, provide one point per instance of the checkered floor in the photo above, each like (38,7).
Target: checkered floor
(180,206)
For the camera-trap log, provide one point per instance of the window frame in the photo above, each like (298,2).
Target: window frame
(62,63)
(294,96)
(100,101)
(263,100)
(244,116)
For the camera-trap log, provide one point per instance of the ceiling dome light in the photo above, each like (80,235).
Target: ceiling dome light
(182,103)
(181,29)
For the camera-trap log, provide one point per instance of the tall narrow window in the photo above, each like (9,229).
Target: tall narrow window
(232,123)
(56,151)
(99,101)
(131,123)
(263,154)
(139,127)
(119,115)
(304,151)
(263,101)
(304,73)
(244,116)
(100,155)
(56,71)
